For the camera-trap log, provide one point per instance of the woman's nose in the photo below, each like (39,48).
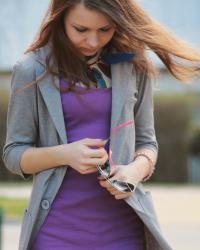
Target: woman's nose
(93,41)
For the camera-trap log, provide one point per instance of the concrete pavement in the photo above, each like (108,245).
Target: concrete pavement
(11,231)
(178,209)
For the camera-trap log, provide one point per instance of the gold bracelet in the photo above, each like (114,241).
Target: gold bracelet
(151,164)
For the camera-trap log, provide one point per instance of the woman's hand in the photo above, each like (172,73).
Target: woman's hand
(84,155)
(128,173)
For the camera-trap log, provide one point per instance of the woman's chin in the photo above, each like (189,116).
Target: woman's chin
(89,53)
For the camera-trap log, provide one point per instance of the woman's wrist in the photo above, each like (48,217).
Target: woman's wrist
(144,164)
(140,169)
(149,160)
(63,153)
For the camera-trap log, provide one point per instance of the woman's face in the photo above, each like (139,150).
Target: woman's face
(88,30)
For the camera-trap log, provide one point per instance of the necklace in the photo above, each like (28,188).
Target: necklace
(95,62)
(97,71)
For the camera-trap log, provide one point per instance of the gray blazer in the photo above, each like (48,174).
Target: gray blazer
(35,118)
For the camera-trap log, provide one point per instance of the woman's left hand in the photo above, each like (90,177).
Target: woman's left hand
(128,173)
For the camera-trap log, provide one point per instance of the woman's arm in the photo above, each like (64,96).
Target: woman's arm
(22,119)
(79,155)
(146,142)
(35,160)
(141,167)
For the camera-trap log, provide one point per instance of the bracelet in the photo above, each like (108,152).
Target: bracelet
(151,164)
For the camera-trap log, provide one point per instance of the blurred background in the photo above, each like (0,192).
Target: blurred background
(175,185)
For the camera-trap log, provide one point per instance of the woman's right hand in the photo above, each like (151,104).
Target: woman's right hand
(84,155)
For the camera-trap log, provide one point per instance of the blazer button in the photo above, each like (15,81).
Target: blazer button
(45,204)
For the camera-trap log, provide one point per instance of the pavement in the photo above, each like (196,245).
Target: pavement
(178,210)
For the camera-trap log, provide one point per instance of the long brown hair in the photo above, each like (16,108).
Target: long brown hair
(135,31)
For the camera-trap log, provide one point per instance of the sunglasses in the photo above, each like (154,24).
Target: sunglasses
(105,170)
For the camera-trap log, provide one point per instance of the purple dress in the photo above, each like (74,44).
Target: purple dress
(84,215)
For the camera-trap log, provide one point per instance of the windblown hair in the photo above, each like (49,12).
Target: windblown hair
(136,32)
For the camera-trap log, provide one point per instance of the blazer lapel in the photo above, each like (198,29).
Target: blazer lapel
(51,96)
(120,87)
(50,90)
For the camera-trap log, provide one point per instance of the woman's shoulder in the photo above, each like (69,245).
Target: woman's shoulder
(29,60)
(25,63)
(29,66)
(24,70)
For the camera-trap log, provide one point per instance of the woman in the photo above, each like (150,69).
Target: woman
(89,142)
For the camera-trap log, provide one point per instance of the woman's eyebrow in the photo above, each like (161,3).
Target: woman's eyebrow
(85,27)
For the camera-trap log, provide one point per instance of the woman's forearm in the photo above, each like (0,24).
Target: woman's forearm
(39,159)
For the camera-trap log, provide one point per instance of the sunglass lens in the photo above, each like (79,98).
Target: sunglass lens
(105,169)
(123,186)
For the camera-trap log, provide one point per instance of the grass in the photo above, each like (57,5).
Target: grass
(15,183)
(13,208)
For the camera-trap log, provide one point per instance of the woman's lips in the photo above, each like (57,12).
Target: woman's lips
(89,51)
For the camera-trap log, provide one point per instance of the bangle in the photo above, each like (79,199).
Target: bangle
(151,164)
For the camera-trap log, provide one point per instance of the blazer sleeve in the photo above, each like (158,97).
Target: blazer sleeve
(144,116)
(21,117)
